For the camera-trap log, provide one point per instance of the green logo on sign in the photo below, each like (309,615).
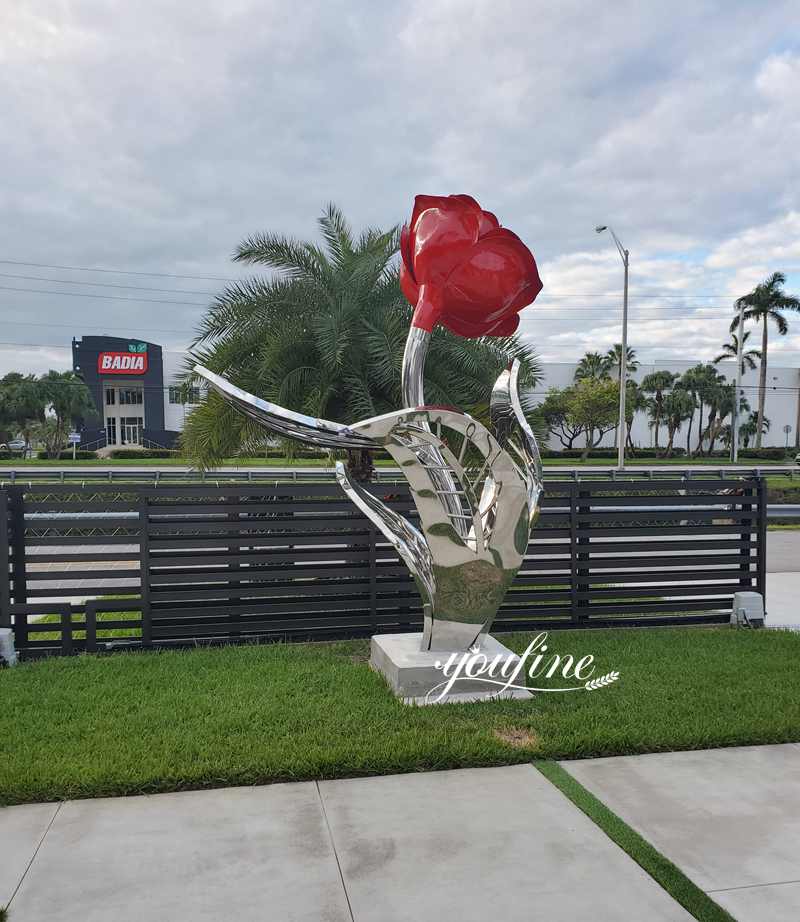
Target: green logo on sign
(137,347)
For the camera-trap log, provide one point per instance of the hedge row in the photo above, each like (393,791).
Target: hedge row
(763,454)
(131,454)
(67,455)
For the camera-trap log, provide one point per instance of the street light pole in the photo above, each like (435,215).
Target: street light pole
(622,425)
(737,397)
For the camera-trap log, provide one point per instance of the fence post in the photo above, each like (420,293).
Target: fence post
(5,563)
(16,512)
(234,548)
(16,515)
(749,503)
(373,588)
(762,537)
(573,551)
(144,567)
(581,613)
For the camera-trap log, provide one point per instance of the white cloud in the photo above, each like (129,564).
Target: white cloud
(154,137)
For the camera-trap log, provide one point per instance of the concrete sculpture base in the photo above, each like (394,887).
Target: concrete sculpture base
(411,672)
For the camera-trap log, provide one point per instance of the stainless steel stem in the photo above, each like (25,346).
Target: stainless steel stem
(413,392)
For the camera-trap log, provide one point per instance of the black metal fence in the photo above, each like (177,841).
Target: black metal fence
(103,566)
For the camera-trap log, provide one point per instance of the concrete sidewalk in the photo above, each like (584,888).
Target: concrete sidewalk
(468,845)
(783,579)
(728,818)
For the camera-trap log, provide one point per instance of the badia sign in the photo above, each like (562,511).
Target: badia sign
(122,363)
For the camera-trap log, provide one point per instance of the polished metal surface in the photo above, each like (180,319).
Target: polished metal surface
(414,356)
(293,425)
(475,536)
(476,492)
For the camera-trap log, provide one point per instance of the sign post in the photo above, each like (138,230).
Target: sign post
(74,439)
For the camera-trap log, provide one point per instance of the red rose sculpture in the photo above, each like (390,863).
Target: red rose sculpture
(461,269)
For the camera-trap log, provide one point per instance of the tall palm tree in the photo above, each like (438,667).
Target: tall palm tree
(702,382)
(766,302)
(679,406)
(730,350)
(614,357)
(656,383)
(325,337)
(635,402)
(69,400)
(593,367)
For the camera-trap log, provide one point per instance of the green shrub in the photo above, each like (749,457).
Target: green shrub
(131,454)
(66,455)
(765,454)
(611,453)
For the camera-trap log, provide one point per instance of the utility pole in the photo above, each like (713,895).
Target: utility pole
(622,426)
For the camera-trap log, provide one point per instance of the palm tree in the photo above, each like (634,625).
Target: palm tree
(635,402)
(765,302)
(678,407)
(69,400)
(593,367)
(721,404)
(656,383)
(731,351)
(614,357)
(749,429)
(702,382)
(325,337)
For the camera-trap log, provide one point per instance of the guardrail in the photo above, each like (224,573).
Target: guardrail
(382,474)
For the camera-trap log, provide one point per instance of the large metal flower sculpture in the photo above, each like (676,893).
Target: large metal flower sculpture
(476,491)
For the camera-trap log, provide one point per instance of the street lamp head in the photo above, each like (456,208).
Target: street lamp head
(600,228)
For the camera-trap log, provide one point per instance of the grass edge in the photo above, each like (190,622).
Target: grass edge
(669,877)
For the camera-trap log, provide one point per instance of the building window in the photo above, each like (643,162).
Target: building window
(111,431)
(111,396)
(177,393)
(132,395)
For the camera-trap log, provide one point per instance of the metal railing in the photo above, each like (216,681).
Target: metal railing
(387,474)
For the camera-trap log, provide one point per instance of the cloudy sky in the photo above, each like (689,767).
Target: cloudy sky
(150,137)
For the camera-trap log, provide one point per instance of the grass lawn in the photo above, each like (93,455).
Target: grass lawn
(141,722)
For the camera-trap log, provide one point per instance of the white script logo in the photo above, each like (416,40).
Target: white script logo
(505,671)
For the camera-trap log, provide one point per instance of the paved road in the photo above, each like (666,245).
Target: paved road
(783,551)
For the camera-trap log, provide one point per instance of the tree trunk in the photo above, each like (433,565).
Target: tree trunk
(711,431)
(699,449)
(670,438)
(762,382)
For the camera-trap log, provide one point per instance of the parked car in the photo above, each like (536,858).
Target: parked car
(14,445)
